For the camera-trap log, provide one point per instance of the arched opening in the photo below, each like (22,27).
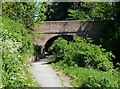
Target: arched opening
(51,40)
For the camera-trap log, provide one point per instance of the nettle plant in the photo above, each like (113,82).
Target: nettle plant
(82,53)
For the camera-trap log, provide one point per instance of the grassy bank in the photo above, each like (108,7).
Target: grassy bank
(17,46)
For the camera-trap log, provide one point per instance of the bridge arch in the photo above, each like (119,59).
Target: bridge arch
(52,39)
(50,30)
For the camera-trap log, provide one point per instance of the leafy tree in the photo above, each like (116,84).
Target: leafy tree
(58,10)
(110,36)
(92,11)
(78,15)
(79,10)
(26,13)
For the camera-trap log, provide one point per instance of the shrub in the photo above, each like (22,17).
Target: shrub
(82,53)
(58,48)
(16,45)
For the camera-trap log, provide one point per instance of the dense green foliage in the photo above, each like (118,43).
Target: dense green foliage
(92,11)
(79,10)
(102,11)
(16,46)
(16,41)
(88,64)
(88,78)
(78,15)
(26,13)
(82,53)
(58,10)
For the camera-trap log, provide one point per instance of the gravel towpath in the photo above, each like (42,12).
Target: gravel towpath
(46,76)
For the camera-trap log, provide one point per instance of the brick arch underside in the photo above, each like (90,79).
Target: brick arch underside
(45,37)
(49,42)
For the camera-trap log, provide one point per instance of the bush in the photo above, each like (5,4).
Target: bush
(82,53)
(16,46)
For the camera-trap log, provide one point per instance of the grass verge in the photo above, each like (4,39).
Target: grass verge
(88,77)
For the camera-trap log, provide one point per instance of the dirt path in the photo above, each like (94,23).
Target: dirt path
(46,76)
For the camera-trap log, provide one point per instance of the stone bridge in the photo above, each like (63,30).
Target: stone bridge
(50,30)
